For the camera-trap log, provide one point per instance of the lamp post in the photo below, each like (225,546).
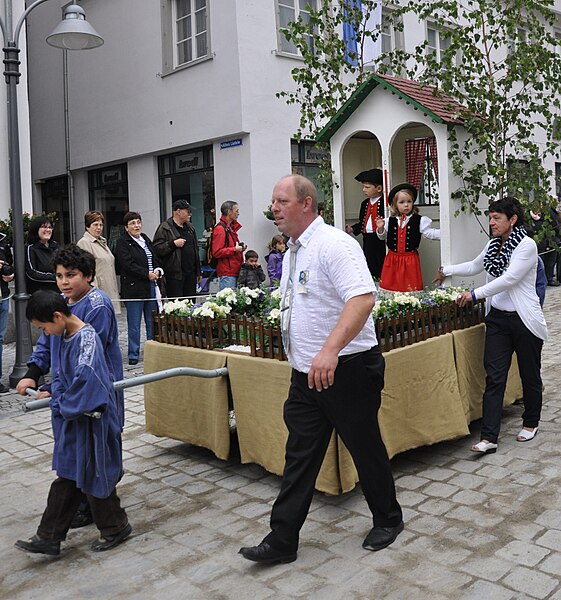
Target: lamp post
(73,33)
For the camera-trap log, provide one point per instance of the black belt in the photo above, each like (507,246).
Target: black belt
(504,313)
(348,357)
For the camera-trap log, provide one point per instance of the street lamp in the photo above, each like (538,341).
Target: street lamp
(73,33)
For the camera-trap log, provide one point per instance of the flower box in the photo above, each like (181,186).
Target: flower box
(209,333)
(400,320)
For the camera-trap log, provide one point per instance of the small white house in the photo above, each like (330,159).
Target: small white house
(399,126)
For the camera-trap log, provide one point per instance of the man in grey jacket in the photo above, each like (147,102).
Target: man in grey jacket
(175,243)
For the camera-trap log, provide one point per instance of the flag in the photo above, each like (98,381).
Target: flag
(349,35)
(372,48)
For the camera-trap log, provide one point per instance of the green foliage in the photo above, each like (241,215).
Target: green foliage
(501,62)
(326,79)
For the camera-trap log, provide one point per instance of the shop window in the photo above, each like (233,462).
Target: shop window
(189,175)
(306,160)
(54,199)
(109,193)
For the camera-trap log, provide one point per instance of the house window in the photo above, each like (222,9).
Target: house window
(438,41)
(185,33)
(521,37)
(191,30)
(289,11)
(109,193)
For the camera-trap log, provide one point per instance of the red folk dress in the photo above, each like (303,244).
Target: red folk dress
(402,267)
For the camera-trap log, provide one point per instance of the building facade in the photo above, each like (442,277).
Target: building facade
(179,102)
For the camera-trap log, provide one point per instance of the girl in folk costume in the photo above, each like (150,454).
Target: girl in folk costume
(403,232)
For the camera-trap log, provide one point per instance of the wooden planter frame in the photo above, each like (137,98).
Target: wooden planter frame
(265,340)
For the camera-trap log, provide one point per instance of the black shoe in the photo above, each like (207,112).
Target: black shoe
(4,389)
(553,283)
(381,537)
(110,541)
(133,361)
(81,519)
(38,545)
(266,554)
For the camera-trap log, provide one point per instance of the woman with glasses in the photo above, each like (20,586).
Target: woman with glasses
(140,270)
(39,270)
(94,243)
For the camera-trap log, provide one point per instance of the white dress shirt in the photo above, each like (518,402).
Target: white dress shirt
(330,270)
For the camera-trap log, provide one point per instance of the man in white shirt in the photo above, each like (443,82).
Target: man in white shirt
(337,372)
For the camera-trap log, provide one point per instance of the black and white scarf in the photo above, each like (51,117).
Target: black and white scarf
(497,257)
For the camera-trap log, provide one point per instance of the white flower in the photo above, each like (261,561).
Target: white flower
(276,294)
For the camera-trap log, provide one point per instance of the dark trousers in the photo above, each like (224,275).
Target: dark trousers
(549,258)
(506,333)
(374,251)
(181,288)
(350,406)
(62,504)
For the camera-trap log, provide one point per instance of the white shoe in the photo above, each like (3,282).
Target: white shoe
(526,436)
(484,447)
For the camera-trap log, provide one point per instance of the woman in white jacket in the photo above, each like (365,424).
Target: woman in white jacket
(514,321)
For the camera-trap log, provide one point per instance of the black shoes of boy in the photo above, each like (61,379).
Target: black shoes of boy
(81,519)
(265,554)
(381,537)
(4,389)
(110,541)
(37,545)
(133,361)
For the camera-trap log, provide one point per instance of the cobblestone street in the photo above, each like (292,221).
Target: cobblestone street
(487,528)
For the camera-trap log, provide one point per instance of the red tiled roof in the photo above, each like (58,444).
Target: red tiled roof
(441,105)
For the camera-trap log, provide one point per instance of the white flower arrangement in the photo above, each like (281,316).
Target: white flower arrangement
(212,310)
(178,307)
(274,316)
(227,295)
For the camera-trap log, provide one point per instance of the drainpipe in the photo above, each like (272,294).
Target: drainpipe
(70,177)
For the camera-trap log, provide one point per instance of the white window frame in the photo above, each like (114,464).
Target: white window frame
(170,41)
(283,45)
(440,35)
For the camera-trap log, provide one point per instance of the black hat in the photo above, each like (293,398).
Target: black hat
(181,204)
(374,176)
(401,187)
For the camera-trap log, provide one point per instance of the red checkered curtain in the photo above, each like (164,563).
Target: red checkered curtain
(433,155)
(415,154)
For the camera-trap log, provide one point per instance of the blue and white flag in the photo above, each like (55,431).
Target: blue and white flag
(371,48)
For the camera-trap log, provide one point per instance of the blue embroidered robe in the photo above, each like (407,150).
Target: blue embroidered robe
(86,450)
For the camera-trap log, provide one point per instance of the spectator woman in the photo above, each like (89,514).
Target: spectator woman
(39,251)
(93,242)
(514,322)
(140,270)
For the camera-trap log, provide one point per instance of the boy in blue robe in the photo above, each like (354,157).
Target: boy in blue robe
(75,270)
(87,453)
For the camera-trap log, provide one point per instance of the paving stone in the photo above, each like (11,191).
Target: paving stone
(523,553)
(531,582)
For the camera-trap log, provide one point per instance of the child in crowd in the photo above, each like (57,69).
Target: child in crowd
(403,231)
(87,453)
(75,270)
(251,274)
(274,259)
